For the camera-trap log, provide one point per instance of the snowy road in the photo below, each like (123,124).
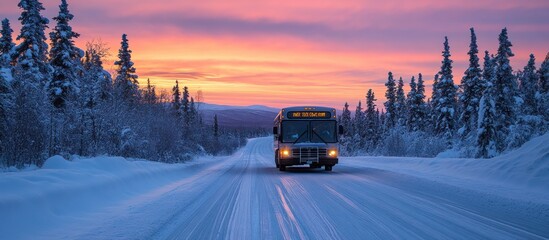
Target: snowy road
(245,197)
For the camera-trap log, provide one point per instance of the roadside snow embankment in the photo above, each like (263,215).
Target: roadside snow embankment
(526,168)
(63,190)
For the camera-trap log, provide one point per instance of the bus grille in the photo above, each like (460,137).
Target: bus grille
(308,154)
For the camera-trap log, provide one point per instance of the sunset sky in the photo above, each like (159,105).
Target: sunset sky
(288,52)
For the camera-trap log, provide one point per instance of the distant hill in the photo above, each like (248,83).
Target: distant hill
(255,116)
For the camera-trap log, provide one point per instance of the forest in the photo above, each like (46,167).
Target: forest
(61,101)
(492,110)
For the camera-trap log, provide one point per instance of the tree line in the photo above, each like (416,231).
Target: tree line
(62,101)
(492,110)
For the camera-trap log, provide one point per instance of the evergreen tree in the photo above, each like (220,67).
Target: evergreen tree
(390,104)
(446,106)
(488,72)
(544,76)
(420,102)
(346,120)
(543,92)
(486,127)
(359,120)
(125,83)
(185,107)
(400,105)
(504,84)
(193,112)
(150,93)
(6,44)
(471,89)
(65,59)
(216,127)
(176,100)
(504,89)
(31,53)
(6,105)
(528,87)
(433,103)
(412,122)
(371,121)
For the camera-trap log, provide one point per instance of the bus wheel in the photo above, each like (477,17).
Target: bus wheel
(282,168)
(328,167)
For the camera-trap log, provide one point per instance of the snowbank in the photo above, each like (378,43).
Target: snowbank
(524,168)
(64,190)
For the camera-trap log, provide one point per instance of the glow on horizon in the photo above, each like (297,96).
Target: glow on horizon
(281,53)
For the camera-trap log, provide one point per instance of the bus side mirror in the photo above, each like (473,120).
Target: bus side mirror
(275,130)
(340,130)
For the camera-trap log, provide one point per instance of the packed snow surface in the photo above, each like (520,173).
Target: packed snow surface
(244,196)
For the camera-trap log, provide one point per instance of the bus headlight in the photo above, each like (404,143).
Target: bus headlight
(285,153)
(332,153)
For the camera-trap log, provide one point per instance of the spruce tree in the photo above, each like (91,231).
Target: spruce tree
(186,110)
(65,59)
(543,92)
(471,89)
(446,107)
(413,108)
(390,104)
(7,46)
(544,76)
(125,83)
(400,105)
(346,120)
(31,53)
(528,86)
(486,126)
(150,93)
(6,105)
(504,83)
(371,121)
(216,126)
(420,102)
(358,121)
(176,99)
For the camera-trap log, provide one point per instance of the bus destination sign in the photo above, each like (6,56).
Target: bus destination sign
(309,114)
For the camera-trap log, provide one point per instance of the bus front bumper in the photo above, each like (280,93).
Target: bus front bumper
(297,161)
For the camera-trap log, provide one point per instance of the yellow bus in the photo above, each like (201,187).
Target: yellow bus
(306,135)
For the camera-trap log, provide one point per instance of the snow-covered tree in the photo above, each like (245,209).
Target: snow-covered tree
(504,83)
(472,86)
(6,44)
(65,59)
(543,86)
(528,87)
(6,105)
(149,94)
(96,80)
(544,76)
(31,53)
(345,120)
(125,83)
(176,99)
(416,105)
(486,126)
(186,110)
(446,103)
(371,120)
(390,104)
(400,105)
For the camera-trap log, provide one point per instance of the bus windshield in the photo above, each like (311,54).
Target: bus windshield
(309,131)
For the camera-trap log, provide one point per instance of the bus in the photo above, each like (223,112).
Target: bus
(306,135)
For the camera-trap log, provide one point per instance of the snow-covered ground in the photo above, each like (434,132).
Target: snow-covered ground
(244,197)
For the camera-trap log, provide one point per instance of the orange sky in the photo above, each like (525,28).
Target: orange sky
(281,53)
